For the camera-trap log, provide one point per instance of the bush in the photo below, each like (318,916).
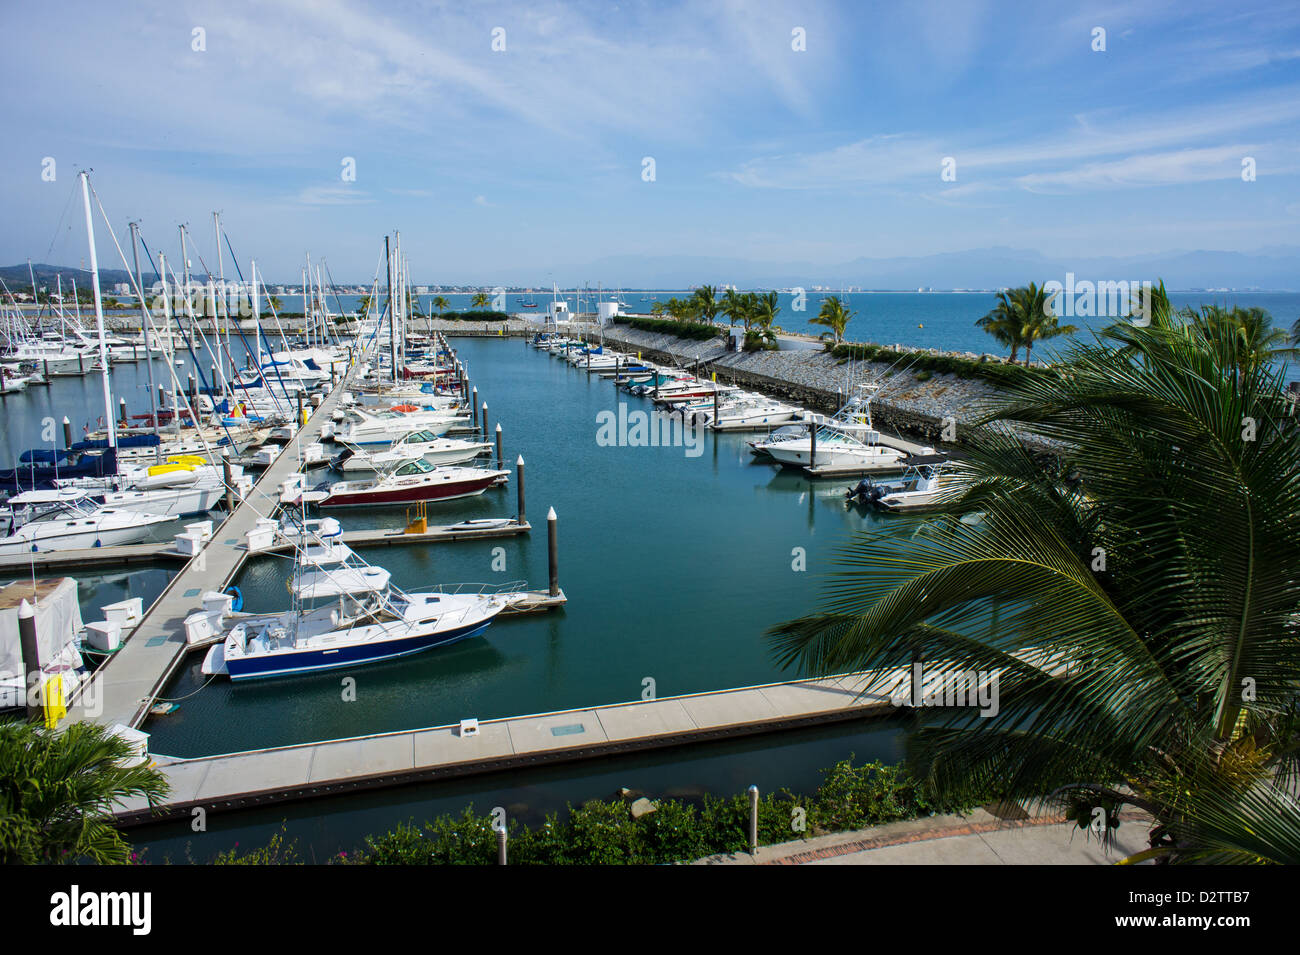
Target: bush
(603,832)
(695,331)
(922,362)
(482,316)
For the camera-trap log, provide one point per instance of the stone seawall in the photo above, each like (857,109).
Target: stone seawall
(815,378)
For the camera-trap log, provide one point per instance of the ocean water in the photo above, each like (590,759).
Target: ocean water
(944,320)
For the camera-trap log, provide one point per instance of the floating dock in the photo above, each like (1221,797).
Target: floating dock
(123,690)
(144,553)
(284,773)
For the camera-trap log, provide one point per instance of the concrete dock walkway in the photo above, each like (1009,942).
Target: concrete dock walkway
(123,689)
(259,777)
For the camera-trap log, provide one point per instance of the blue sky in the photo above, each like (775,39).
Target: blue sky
(528,162)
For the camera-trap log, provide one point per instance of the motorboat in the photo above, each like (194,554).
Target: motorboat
(423,444)
(840,445)
(385,427)
(414,481)
(59,520)
(925,479)
(345,613)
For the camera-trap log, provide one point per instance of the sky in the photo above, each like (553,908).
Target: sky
(774,132)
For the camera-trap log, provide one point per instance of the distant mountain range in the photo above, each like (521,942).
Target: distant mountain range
(16,277)
(1276,268)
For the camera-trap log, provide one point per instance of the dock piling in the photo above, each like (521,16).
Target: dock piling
(519,488)
(753,819)
(230,481)
(121,414)
(553,551)
(501,845)
(485,421)
(501,461)
(812,444)
(31,656)
(67,432)
(473,406)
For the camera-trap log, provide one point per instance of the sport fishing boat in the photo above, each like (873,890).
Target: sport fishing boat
(926,478)
(55,520)
(414,481)
(423,445)
(345,613)
(385,427)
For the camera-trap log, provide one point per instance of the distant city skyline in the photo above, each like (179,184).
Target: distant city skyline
(654,145)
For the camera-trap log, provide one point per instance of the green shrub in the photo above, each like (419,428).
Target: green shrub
(695,331)
(603,832)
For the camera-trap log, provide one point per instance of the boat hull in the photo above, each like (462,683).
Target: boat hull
(409,495)
(313,661)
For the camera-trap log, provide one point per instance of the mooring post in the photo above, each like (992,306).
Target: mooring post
(31,656)
(299,422)
(474,409)
(553,551)
(753,819)
(715,405)
(501,462)
(501,845)
(67,432)
(812,444)
(519,488)
(485,422)
(121,404)
(230,481)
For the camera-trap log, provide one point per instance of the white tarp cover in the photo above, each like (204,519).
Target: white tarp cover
(58,620)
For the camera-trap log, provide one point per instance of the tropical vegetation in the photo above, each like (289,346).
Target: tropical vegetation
(59,788)
(835,315)
(1136,596)
(1023,316)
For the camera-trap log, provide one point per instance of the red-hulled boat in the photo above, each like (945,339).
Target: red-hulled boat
(414,481)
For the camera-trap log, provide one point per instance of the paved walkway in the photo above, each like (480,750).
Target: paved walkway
(978,838)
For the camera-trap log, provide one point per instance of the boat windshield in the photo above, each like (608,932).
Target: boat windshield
(418,466)
(419,437)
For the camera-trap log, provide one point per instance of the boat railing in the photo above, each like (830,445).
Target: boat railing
(478,589)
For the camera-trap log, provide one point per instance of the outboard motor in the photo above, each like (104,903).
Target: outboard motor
(860,492)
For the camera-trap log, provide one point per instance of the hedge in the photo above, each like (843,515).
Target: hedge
(696,331)
(471,317)
(993,371)
(603,832)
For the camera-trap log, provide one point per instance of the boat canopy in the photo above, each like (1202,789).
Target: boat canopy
(339,581)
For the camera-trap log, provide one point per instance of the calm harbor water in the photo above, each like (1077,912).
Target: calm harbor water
(674,567)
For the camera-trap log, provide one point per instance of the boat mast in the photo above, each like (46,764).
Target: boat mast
(392,317)
(99,309)
(148,352)
(257,316)
(169,341)
(221,274)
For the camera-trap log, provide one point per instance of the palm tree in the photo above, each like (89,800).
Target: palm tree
(480,300)
(657,308)
(275,303)
(1040,320)
(1004,324)
(58,790)
(834,315)
(706,299)
(440,303)
(1137,598)
(766,308)
(733,303)
(363,305)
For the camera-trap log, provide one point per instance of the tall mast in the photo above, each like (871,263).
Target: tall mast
(224,298)
(169,342)
(144,318)
(392,314)
(257,313)
(99,310)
